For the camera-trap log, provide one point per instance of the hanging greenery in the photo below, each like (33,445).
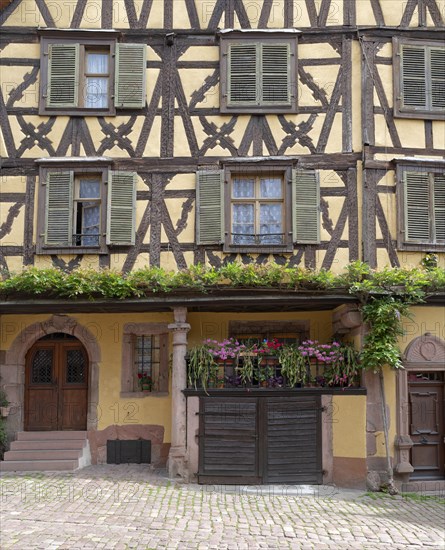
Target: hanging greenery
(358,278)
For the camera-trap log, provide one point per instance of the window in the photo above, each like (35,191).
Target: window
(421,200)
(419,72)
(287,332)
(83,209)
(258,72)
(257,204)
(86,75)
(267,207)
(145,365)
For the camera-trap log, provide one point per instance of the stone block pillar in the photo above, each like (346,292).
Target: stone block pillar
(177,462)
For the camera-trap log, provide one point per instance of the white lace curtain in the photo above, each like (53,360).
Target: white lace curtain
(96,94)
(90,189)
(270,214)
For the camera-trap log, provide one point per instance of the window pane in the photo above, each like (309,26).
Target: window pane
(97,63)
(96,94)
(271,188)
(243,224)
(243,188)
(271,224)
(89,189)
(90,223)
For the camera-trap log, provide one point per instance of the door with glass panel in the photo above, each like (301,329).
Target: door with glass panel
(56,386)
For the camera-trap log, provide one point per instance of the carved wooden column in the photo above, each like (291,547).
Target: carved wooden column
(177,463)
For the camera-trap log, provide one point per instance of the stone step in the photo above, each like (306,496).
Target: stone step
(38,465)
(43,454)
(36,436)
(43,444)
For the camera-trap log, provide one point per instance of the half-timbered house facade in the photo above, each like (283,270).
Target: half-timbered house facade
(171,133)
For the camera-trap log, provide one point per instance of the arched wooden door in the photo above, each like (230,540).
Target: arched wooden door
(56,386)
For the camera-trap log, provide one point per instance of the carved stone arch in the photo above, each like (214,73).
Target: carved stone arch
(13,367)
(425,349)
(424,353)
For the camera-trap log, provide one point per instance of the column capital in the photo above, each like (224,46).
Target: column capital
(179,327)
(180,314)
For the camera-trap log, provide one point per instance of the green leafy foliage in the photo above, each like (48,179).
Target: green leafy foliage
(385,295)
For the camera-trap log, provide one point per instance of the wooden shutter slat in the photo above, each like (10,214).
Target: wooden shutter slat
(121,208)
(417,206)
(242,74)
(209,207)
(437,64)
(306,206)
(275,74)
(63,75)
(439,206)
(59,209)
(414,90)
(131,62)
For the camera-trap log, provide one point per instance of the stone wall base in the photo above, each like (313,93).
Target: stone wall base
(349,472)
(159,450)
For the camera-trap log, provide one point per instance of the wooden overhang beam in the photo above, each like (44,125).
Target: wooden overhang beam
(228,301)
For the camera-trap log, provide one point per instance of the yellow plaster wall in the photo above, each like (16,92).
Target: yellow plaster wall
(425,319)
(15,236)
(107,329)
(349,425)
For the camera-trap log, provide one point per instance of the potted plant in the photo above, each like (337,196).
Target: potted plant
(293,365)
(344,371)
(264,375)
(199,363)
(207,363)
(145,382)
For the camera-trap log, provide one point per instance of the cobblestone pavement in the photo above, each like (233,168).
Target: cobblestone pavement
(126,507)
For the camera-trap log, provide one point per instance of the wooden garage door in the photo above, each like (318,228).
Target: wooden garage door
(293,443)
(228,443)
(260,440)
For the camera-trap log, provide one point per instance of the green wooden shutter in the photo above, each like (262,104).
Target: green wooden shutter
(413,77)
(275,74)
(63,75)
(306,206)
(131,65)
(439,206)
(121,208)
(210,207)
(417,206)
(242,74)
(437,65)
(59,209)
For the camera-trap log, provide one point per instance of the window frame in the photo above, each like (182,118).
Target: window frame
(403,166)
(283,170)
(267,329)
(399,109)
(101,168)
(105,40)
(288,37)
(128,374)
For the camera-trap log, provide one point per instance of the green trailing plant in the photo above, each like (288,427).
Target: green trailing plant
(3,399)
(201,366)
(3,438)
(246,366)
(293,365)
(357,279)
